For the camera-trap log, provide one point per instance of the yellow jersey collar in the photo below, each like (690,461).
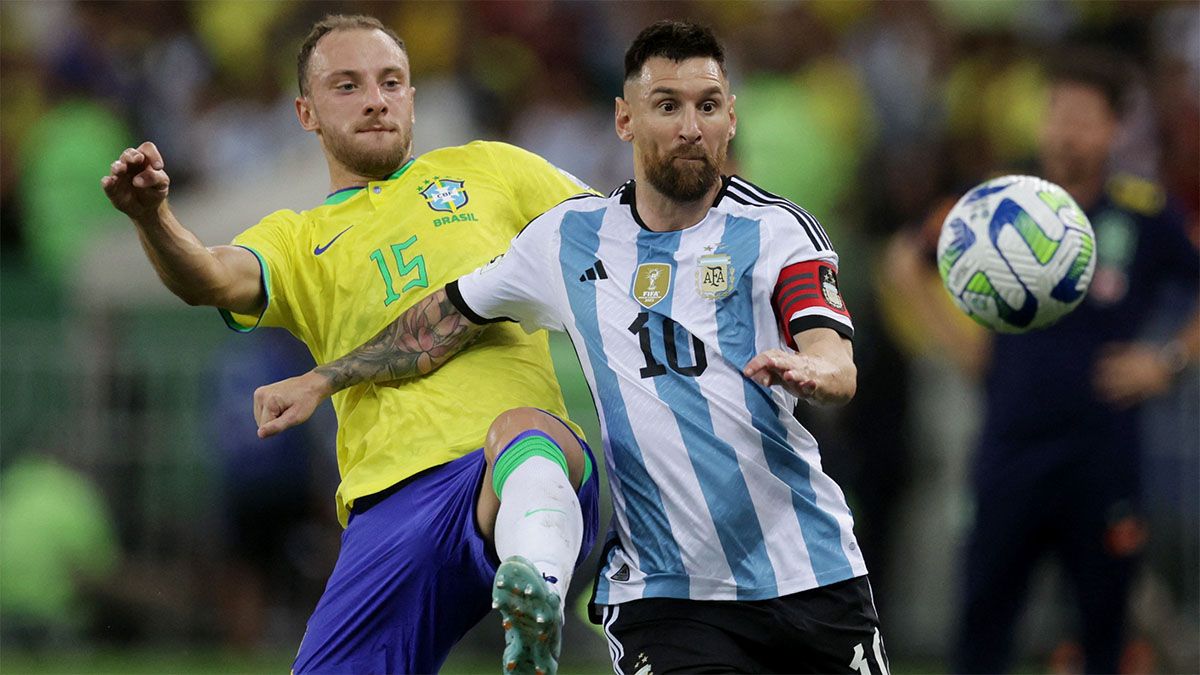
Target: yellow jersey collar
(339,196)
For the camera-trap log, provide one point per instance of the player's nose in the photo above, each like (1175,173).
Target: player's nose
(375,102)
(689,129)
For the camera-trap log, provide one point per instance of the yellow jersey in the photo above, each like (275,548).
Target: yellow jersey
(338,274)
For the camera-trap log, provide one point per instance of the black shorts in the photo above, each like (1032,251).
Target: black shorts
(832,629)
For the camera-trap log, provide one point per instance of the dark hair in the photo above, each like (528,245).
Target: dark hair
(327,25)
(1105,71)
(674,40)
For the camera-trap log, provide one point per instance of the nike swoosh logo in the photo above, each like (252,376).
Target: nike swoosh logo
(321,249)
(530,512)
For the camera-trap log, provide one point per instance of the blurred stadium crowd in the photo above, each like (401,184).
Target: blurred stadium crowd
(137,506)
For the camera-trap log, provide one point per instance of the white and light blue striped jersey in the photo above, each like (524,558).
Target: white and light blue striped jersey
(718,492)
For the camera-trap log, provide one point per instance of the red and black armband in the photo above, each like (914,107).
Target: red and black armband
(807,296)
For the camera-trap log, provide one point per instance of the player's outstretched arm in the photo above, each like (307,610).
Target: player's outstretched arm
(821,372)
(418,342)
(223,276)
(1126,374)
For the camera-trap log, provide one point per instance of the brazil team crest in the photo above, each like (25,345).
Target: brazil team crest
(713,274)
(651,284)
(444,194)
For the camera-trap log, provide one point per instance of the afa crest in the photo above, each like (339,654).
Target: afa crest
(651,284)
(713,275)
(829,288)
(444,194)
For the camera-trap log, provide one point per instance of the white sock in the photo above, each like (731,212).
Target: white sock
(541,521)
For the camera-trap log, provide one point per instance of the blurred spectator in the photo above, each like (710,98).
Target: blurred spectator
(804,120)
(21,103)
(58,182)
(244,123)
(558,121)
(1176,90)
(59,542)
(1058,466)
(994,98)
(902,51)
(78,128)
(1171,611)
(273,493)
(245,114)
(943,420)
(174,70)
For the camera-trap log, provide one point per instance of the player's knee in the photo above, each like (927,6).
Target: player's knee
(507,426)
(510,424)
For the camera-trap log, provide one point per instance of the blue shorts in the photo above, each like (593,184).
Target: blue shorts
(414,575)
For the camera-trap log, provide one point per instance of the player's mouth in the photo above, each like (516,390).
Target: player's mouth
(377,128)
(692,156)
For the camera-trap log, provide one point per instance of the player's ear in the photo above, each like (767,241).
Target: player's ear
(622,120)
(306,115)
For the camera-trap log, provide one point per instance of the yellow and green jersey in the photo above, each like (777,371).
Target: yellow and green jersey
(338,274)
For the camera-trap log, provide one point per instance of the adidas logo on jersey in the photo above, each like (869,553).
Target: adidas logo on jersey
(621,574)
(594,272)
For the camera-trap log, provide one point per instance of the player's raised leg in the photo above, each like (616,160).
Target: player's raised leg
(530,508)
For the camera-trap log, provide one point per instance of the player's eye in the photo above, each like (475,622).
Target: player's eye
(667,106)
(708,107)
(392,84)
(345,86)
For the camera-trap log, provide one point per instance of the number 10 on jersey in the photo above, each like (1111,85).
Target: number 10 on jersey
(641,327)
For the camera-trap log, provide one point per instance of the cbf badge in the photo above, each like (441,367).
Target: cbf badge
(444,194)
(651,283)
(713,275)
(829,288)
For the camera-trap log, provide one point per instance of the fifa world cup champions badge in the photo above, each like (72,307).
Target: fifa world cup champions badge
(651,284)
(714,275)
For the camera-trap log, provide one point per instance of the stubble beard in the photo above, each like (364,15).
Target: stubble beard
(684,181)
(373,160)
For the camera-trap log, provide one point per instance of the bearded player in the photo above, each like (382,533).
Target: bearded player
(703,308)
(423,463)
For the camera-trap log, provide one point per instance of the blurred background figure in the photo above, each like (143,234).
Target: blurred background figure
(1059,464)
(59,547)
(872,115)
(273,494)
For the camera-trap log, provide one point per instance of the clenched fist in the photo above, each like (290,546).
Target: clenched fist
(136,183)
(289,402)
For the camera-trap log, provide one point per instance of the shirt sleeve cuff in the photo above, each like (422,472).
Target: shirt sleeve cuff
(456,299)
(802,323)
(231,319)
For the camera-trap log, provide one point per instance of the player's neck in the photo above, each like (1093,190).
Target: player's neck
(342,177)
(660,213)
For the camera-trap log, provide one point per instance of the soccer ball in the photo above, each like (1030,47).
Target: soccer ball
(1016,253)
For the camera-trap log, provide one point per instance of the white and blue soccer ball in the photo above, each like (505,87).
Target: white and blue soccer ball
(1016,253)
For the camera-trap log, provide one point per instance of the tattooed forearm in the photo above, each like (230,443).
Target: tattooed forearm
(420,340)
